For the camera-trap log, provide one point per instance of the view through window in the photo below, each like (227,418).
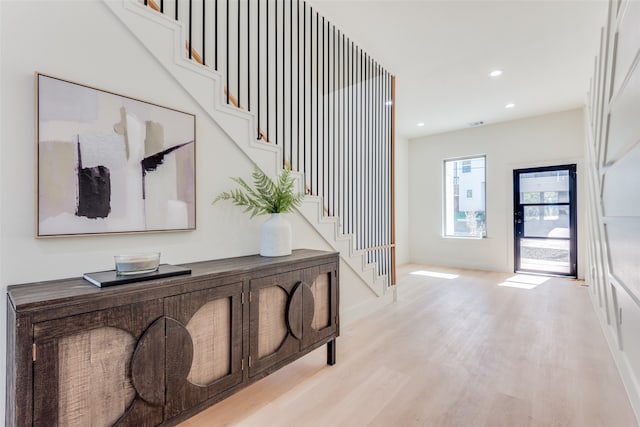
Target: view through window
(465,201)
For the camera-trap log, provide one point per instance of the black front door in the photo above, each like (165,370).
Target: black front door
(545,228)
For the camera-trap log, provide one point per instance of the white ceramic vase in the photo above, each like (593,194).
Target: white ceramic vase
(275,236)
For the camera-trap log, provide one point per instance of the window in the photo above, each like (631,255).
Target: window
(466,166)
(464,216)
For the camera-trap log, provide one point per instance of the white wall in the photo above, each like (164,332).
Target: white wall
(85,43)
(402,201)
(551,139)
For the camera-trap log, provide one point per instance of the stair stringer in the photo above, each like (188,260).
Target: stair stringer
(312,209)
(328,228)
(205,86)
(155,32)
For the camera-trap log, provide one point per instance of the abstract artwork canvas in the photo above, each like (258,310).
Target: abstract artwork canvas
(107,163)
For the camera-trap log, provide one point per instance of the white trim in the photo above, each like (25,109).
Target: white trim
(629,381)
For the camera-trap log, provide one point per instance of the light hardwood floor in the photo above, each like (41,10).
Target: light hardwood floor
(461,351)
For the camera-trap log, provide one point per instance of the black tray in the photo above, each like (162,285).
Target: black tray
(103,279)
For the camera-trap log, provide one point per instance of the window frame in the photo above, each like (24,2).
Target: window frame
(444,196)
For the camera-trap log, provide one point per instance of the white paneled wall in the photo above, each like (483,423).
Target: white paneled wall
(613,158)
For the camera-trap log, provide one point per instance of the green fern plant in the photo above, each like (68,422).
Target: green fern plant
(267,196)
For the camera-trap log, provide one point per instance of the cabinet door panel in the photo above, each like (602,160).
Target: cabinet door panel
(82,373)
(322,284)
(321,292)
(209,322)
(272,303)
(93,368)
(270,339)
(211,351)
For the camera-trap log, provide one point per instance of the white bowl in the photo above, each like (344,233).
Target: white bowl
(137,263)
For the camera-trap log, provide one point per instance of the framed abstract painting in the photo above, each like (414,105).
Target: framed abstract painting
(108,163)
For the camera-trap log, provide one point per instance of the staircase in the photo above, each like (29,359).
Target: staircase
(166,38)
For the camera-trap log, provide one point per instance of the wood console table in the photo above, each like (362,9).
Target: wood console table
(157,352)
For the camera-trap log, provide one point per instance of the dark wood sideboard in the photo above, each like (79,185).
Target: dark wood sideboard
(157,352)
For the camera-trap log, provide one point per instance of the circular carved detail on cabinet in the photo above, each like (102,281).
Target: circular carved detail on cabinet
(300,309)
(147,365)
(179,354)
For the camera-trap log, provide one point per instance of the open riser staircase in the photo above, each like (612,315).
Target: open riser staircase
(291,90)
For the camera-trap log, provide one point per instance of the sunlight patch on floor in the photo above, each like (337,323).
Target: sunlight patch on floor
(517,285)
(523,281)
(528,278)
(434,274)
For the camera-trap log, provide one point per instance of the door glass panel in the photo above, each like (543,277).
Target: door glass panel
(549,256)
(546,221)
(544,187)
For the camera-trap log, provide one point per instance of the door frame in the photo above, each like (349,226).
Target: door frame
(518,222)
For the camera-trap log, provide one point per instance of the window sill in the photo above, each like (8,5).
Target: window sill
(464,237)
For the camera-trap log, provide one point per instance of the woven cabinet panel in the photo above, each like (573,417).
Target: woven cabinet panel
(95,388)
(322,302)
(210,330)
(272,329)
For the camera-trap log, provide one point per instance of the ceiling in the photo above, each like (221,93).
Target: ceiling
(442,52)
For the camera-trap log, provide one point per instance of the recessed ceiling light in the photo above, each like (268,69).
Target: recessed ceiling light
(420,124)
(495,73)
(510,105)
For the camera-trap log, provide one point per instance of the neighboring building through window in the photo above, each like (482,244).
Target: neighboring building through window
(465,216)
(466,166)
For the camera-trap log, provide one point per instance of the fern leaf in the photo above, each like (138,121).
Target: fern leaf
(266,195)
